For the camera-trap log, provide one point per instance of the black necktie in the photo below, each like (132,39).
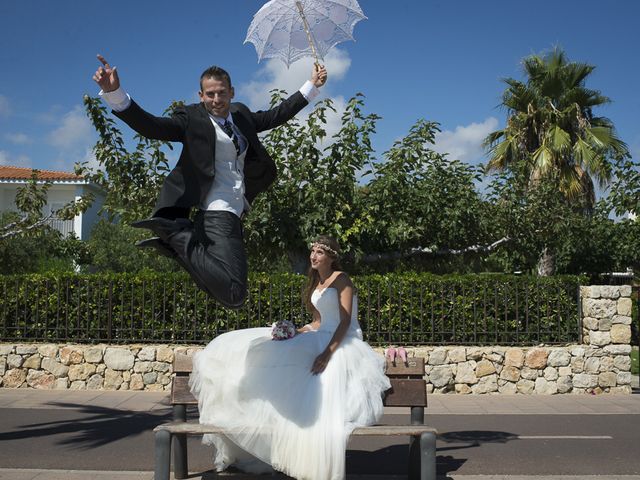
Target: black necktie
(228,129)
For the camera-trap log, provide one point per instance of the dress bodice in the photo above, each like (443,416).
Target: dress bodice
(327,302)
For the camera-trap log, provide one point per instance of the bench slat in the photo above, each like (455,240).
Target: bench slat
(393,430)
(406,393)
(180,393)
(182,363)
(414,367)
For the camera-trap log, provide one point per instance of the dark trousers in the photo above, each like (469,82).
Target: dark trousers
(213,253)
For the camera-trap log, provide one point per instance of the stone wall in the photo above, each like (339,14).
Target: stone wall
(601,364)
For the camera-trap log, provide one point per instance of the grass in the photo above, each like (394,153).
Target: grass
(635,367)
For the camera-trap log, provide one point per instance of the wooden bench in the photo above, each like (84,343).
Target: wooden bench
(408,389)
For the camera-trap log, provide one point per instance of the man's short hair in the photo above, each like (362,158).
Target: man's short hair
(215,72)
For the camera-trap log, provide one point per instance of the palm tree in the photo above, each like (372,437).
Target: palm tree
(552,133)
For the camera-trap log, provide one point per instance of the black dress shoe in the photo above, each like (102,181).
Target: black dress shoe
(161,247)
(163,227)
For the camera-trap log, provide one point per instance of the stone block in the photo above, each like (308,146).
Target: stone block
(164,354)
(71,355)
(159,388)
(495,357)
(463,389)
(26,349)
(593,351)
(577,352)
(142,367)
(78,385)
(622,363)
(6,350)
(598,308)
(14,378)
(559,358)
(621,334)
(136,382)
(151,377)
(93,354)
(95,382)
(51,366)
(618,349)
(438,357)
(607,379)
(592,365)
(475,353)
(48,350)
(33,362)
(609,291)
(81,372)
(625,290)
(565,384)
(147,354)
(624,307)
(606,364)
(440,376)
(14,361)
(621,319)
(61,384)
(163,379)
(525,386)
(536,358)
(545,387)
(550,374)
(465,373)
(457,355)
(112,379)
(589,291)
(623,378)
(484,368)
(600,339)
(590,323)
(514,357)
(604,325)
(486,384)
(161,367)
(511,374)
(508,388)
(585,380)
(577,364)
(40,380)
(3,365)
(529,373)
(118,359)
(565,371)
(622,390)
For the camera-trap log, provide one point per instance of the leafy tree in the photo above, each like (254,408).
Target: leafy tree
(420,198)
(552,132)
(130,178)
(316,187)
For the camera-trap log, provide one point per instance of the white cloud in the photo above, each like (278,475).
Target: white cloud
(465,142)
(275,74)
(74,130)
(17,138)
(14,161)
(5,109)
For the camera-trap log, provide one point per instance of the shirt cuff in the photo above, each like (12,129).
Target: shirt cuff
(309,91)
(118,99)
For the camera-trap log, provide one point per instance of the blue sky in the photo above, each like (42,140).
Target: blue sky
(412,59)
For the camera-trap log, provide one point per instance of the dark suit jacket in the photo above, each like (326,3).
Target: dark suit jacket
(189,182)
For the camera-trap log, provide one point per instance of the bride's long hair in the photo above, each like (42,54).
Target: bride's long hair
(313,278)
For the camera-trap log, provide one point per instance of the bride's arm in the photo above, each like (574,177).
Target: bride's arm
(345,293)
(309,327)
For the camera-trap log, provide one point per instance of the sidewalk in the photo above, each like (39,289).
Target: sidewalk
(438,405)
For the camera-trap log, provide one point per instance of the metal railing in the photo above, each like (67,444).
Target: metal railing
(172,310)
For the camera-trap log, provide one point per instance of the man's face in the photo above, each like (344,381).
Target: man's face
(216,94)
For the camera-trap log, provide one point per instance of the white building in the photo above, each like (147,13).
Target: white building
(65,187)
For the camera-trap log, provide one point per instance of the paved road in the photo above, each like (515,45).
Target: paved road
(45,435)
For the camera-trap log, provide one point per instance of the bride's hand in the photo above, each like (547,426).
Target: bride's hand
(321,362)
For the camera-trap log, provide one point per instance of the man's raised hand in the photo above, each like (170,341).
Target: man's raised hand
(318,75)
(106,76)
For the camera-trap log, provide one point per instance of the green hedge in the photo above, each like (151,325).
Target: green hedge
(393,309)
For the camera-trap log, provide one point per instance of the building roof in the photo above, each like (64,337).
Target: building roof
(20,173)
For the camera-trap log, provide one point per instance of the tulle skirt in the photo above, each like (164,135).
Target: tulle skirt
(275,412)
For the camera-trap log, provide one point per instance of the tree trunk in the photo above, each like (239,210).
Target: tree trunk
(546,263)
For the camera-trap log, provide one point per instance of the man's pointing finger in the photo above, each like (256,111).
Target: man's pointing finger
(103,60)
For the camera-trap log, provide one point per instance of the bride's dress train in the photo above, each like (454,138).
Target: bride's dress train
(276,412)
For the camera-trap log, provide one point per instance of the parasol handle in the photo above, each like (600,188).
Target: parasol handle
(306,28)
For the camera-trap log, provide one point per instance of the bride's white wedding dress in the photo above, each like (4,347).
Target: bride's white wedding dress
(276,412)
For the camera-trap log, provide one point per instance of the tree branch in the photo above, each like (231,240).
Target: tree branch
(375,257)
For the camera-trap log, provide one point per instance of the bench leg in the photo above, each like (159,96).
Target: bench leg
(180,461)
(428,456)
(414,458)
(163,455)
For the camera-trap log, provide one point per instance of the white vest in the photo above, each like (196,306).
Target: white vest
(227,191)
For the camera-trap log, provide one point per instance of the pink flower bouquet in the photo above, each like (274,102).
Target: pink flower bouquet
(283,330)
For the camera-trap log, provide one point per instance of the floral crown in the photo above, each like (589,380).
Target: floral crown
(324,247)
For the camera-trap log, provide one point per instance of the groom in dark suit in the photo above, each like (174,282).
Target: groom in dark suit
(222,168)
